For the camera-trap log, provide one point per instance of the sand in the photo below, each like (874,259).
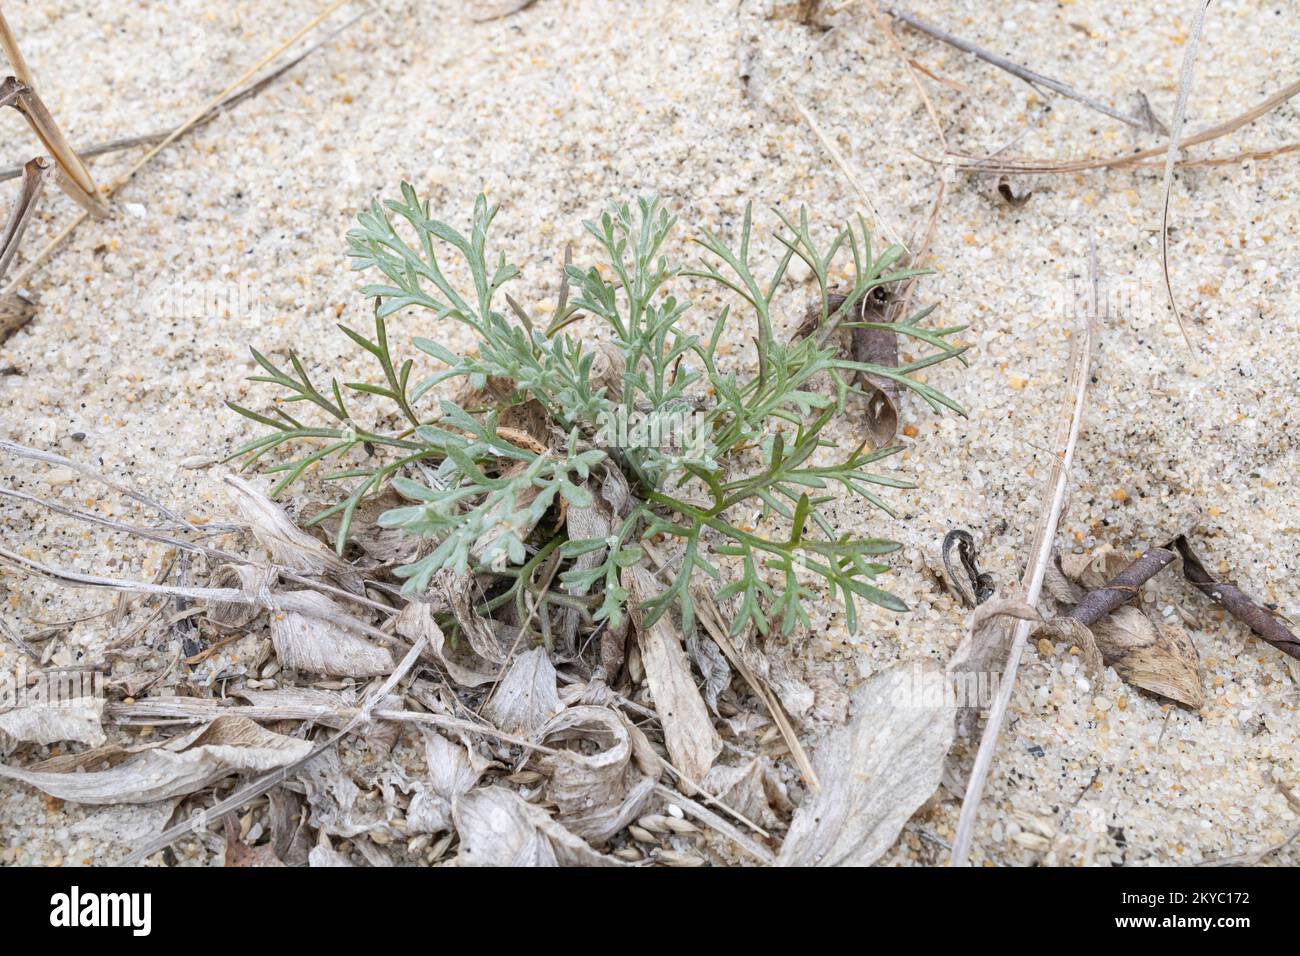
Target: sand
(562,107)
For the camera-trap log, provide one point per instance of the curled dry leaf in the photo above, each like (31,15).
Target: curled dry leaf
(246,578)
(1160,657)
(527,697)
(602,784)
(79,719)
(317,646)
(416,620)
(692,742)
(497,828)
(877,347)
(285,542)
(875,773)
(227,745)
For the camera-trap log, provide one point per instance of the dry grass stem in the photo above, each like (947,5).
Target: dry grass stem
(1040,554)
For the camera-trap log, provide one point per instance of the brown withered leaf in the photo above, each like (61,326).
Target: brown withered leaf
(692,742)
(1159,657)
(875,773)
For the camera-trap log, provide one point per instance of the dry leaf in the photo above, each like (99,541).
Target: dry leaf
(1156,657)
(79,719)
(227,745)
(497,828)
(692,742)
(743,788)
(875,774)
(712,665)
(458,592)
(876,347)
(602,783)
(454,769)
(246,578)
(526,698)
(1060,587)
(416,620)
(317,646)
(288,545)
(1094,569)
(338,806)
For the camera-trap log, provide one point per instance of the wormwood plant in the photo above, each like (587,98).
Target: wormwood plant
(489,502)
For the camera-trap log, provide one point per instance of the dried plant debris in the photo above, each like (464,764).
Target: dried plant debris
(78,720)
(288,546)
(692,742)
(527,697)
(497,828)
(180,766)
(311,643)
(602,773)
(875,774)
(1158,657)
(1263,622)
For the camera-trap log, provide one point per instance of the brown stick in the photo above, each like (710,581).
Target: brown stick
(76,181)
(1121,589)
(1239,604)
(33,180)
(977,164)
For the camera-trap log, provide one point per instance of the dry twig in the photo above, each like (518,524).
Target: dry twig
(1040,553)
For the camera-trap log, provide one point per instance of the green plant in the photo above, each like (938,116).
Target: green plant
(480,494)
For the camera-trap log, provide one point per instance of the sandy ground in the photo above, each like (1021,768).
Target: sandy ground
(567,105)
